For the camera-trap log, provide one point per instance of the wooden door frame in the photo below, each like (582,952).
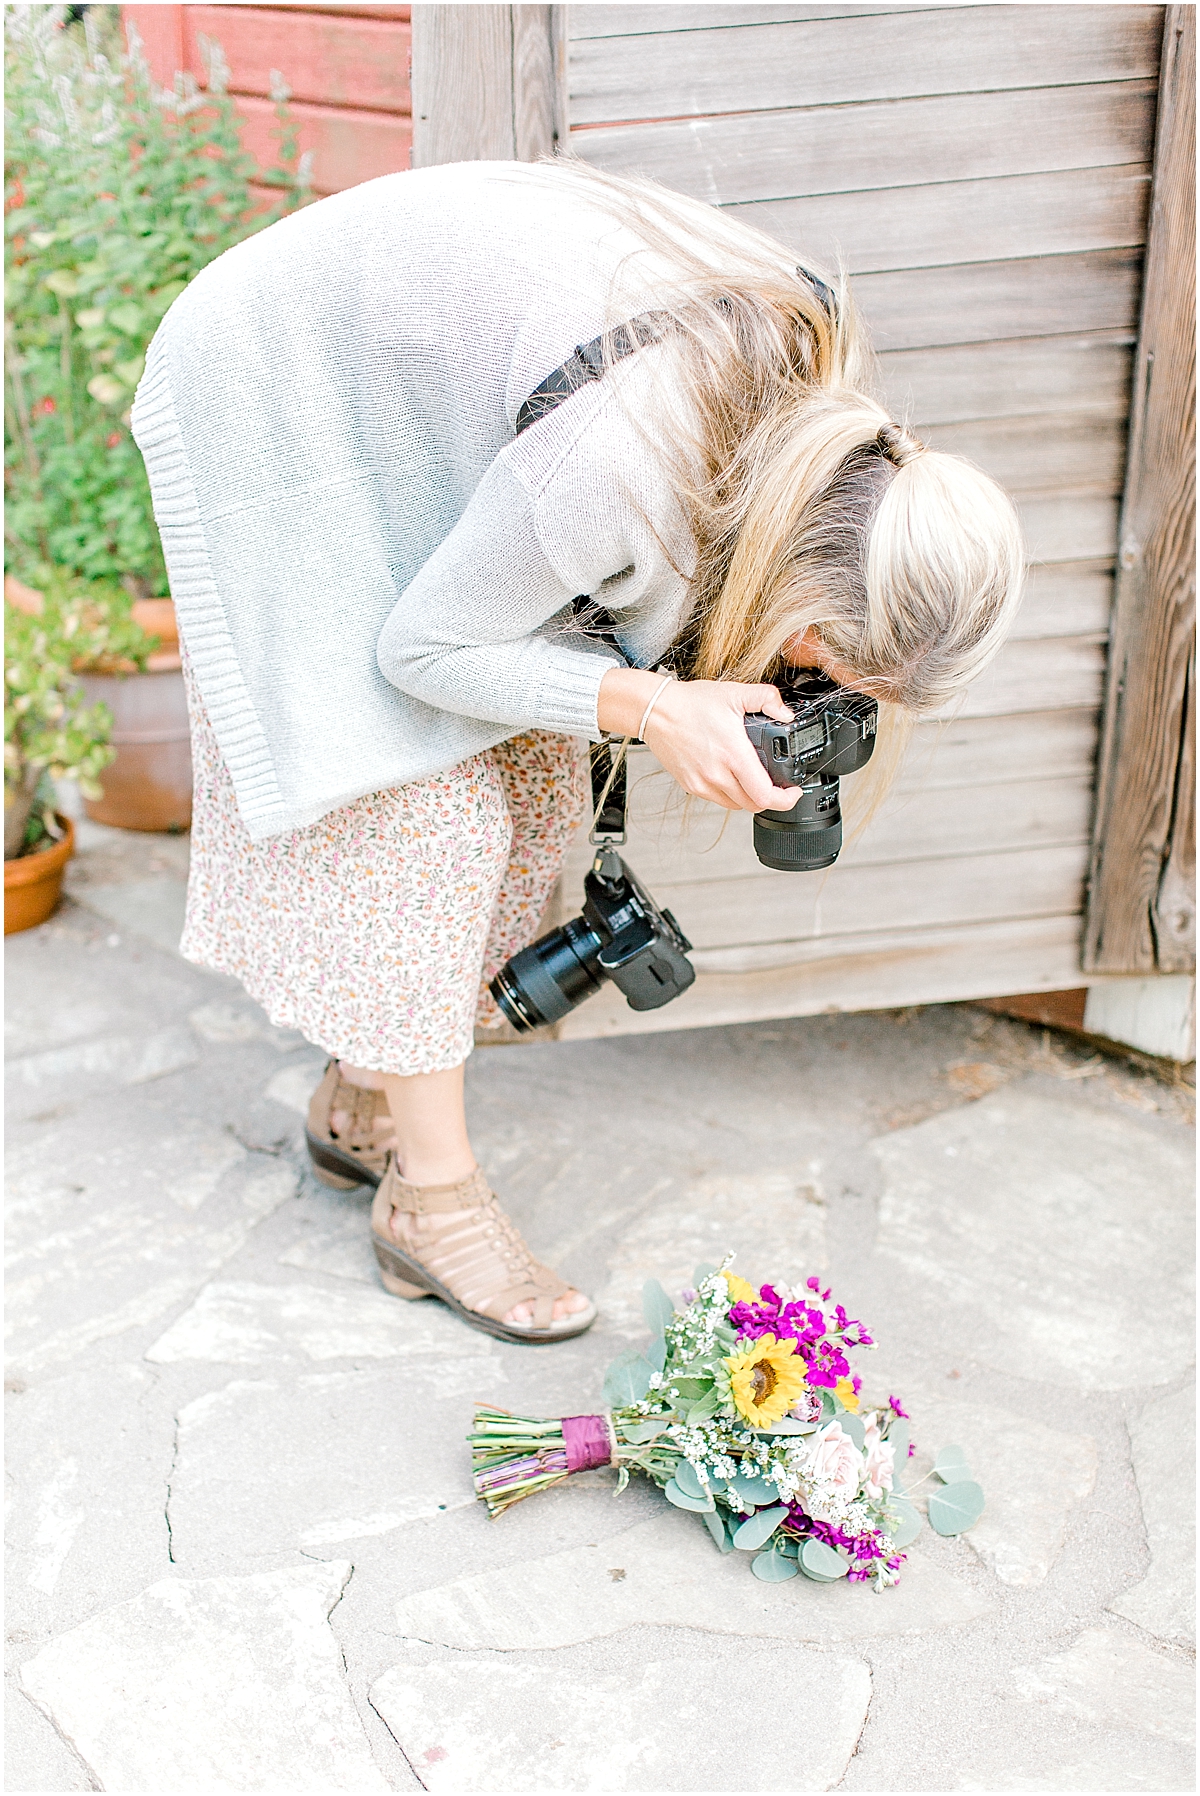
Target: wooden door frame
(488,83)
(491,81)
(1141,900)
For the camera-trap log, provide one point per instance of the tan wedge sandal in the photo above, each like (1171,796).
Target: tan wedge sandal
(456,1243)
(354,1156)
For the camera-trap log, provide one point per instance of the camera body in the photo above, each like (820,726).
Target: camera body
(620,935)
(832,733)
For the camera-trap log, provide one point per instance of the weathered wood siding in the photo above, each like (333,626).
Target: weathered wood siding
(984,174)
(347,68)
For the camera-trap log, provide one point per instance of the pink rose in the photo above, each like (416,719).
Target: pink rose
(835,1463)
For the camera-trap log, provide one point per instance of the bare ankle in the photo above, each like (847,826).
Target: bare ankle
(357,1075)
(434,1169)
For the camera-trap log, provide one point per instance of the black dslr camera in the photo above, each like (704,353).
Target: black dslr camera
(621,935)
(832,732)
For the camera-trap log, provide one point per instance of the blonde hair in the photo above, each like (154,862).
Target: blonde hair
(811,508)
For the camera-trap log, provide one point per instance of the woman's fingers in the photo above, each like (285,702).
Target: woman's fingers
(698,731)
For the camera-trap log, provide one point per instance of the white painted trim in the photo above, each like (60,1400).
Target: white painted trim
(1157,1016)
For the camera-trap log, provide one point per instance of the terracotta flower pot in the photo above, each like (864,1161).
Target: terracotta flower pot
(149,784)
(33,882)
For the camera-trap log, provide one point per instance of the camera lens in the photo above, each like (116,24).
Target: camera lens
(779,843)
(543,982)
(805,839)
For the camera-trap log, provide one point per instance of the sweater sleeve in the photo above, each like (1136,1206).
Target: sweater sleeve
(473,633)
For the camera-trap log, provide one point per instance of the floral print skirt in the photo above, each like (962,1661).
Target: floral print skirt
(375,931)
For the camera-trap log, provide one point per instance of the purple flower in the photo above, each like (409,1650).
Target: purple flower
(865,1550)
(898,1409)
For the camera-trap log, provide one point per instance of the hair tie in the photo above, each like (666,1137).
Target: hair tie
(899,444)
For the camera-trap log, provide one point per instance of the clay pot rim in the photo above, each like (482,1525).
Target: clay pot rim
(28,869)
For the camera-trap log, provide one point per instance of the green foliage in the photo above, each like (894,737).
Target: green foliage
(956,1508)
(116,196)
(49,726)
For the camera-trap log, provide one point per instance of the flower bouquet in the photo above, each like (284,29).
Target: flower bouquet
(743,1408)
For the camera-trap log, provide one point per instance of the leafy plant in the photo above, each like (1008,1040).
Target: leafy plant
(116,195)
(50,729)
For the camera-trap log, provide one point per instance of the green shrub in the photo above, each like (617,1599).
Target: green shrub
(50,730)
(116,195)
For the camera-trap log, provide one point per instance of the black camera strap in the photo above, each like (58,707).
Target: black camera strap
(609,791)
(589,362)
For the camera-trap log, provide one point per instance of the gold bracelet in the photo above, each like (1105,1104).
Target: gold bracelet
(667,679)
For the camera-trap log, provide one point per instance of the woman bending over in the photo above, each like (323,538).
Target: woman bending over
(375,548)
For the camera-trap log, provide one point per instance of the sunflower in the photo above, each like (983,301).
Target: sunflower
(740,1289)
(846,1394)
(765,1380)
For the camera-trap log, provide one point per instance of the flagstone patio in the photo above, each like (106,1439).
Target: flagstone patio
(243,1550)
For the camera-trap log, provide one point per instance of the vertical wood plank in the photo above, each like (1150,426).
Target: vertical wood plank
(462,84)
(535,123)
(1141,902)
(487,83)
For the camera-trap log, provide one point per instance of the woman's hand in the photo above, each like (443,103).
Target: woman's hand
(697,732)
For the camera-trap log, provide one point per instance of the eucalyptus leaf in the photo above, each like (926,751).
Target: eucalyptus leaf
(813,1577)
(757,1529)
(951,1465)
(788,1544)
(786,1425)
(657,1307)
(821,1561)
(752,1489)
(957,1508)
(636,1433)
(898,1436)
(627,1379)
(716,1527)
(910,1520)
(688,1480)
(773,1567)
(828,1406)
(701,1273)
(853,1426)
(681,1499)
(656,1353)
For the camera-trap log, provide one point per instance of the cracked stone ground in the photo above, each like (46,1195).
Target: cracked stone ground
(243,1553)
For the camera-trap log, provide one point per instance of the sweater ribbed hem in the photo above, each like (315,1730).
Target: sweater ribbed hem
(202,621)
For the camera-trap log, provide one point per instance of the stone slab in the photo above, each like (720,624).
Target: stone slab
(212,1684)
(89,1453)
(1163,1438)
(111,1232)
(266,1466)
(88,1066)
(293,1085)
(229,1020)
(1033,1477)
(487,1725)
(1112,1681)
(242,1323)
(703,1220)
(1045,1219)
(671,1575)
(152,908)
(341,1250)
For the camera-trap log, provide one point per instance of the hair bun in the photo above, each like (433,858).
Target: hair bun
(899,444)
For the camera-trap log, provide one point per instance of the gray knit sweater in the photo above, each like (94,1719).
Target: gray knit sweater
(370,569)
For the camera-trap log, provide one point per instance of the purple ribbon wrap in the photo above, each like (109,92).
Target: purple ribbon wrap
(588,1441)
